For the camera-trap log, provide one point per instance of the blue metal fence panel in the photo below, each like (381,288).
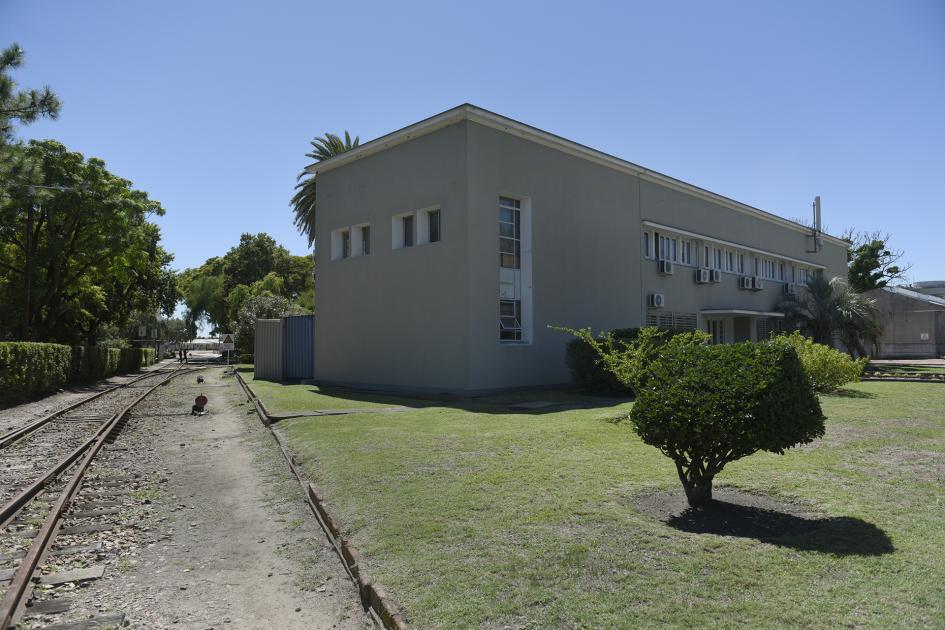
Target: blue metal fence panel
(299,346)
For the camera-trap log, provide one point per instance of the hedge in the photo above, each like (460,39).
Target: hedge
(826,367)
(28,369)
(587,369)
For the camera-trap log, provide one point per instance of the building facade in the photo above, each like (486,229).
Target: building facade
(913,324)
(448,250)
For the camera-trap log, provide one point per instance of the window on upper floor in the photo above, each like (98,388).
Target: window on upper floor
(741,263)
(429,226)
(646,245)
(340,243)
(685,252)
(510,233)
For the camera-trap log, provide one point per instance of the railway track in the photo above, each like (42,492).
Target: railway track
(42,469)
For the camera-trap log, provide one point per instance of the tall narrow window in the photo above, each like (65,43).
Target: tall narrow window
(366,240)
(510,233)
(741,263)
(705,258)
(408,230)
(646,244)
(434,228)
(346,244)
(510,320)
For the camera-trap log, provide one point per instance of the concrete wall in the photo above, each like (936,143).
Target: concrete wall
(905,321)
(394,318)
(426,318)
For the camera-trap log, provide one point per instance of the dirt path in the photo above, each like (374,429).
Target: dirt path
(227,538)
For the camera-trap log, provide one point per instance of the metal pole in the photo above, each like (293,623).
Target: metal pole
(28,275)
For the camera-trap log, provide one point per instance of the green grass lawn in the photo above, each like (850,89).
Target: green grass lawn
(476,515)
(286,398)
(887,368)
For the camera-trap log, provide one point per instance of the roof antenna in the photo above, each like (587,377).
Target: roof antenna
(816,229)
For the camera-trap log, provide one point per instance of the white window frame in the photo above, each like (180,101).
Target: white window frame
(423,225)
(524,270)
(397,236)
(337,243)
(357,239)
(647,246)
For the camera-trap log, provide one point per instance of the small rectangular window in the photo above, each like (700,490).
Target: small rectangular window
(366,240)
(705,258)
(741,263)
(434,220)
(646,244)
(408,230)
(346,244)
(510,320)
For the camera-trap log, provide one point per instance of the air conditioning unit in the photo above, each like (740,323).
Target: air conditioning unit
(745,282)
(716,275)
(657,300)
(758,284)
(790,288)
(702,276)
(666,266)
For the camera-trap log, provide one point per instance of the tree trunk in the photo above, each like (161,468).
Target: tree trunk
(698,486)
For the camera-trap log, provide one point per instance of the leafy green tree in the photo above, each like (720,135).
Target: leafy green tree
(77,249)
(21,106)
(705,406)
(303,202)
(829,309)
(872,264)
(262,306)
(251,260)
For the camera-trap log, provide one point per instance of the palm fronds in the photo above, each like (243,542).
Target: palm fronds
(303,201)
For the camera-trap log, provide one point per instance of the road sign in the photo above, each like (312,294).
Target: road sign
(227,342)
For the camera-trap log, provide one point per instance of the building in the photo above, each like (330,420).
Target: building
(935,288)
(447,249)
(913,324)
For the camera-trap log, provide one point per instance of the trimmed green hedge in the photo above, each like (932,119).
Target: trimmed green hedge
(826,367)
(28,369)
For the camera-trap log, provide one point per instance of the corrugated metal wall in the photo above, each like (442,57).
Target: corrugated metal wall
(268,349)
(299,332)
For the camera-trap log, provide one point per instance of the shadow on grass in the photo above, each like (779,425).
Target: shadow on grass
(851,393)
(525,401)
(841,536)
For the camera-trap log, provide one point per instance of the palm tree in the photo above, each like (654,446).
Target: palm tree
(303,202)
(830,309)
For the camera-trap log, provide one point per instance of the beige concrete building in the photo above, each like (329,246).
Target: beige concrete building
(913,324)
(446,250)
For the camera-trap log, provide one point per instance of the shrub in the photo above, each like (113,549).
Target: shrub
(148,356)
(705,406)
(626,356)
(826,367)
(28,369)
(587,369)
(246,358)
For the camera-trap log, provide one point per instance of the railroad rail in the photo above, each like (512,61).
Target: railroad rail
(20,588)
(9,438)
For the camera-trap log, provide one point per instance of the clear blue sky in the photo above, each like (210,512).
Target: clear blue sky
(209,106)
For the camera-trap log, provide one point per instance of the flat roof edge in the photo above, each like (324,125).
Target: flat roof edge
(485,117)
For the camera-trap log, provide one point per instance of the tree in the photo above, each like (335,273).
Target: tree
(826,309)
(25,106)
(872,265)
(251,260)
(262,306)
(705,406)
(303,202)
(77,249)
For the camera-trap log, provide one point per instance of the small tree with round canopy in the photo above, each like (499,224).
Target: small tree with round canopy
(705,406)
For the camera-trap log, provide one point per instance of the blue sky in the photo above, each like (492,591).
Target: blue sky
(209,106)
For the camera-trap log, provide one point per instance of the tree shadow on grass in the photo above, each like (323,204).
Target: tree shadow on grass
(841,536)
(851,393)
